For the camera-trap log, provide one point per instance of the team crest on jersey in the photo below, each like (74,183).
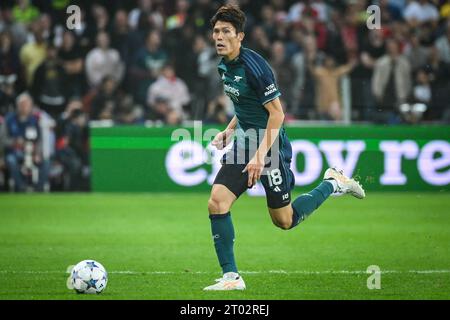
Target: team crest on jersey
(237,78)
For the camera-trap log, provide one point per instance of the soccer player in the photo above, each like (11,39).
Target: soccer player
(249,82)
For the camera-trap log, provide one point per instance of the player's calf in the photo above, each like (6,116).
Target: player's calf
(282,217)
(334,181)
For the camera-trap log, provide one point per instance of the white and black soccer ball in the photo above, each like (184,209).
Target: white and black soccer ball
(88,276)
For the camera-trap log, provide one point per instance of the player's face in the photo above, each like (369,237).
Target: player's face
(226,39)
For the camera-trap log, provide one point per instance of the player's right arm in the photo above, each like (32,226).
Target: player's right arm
(223,138)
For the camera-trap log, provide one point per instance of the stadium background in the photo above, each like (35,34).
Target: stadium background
(107,97)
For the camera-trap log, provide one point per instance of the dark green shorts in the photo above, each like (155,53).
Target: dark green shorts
(278,180)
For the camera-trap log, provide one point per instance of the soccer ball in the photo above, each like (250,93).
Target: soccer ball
(89,276)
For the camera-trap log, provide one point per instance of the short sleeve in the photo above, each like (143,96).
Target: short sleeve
(261,79)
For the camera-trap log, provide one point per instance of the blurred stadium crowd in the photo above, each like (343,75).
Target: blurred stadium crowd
(141,61)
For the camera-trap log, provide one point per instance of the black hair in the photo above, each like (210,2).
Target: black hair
(232,14)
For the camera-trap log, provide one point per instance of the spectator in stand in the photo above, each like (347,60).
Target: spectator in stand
(259,42)
(71,150)
(394,11)
(119,34)
(147,65)
(33,53)
(103,61)
(335,44)
(422,89)
(445,10)
(268,21)
(71,58)
(217,110)
(416,53)
(304,89)
(294,43)
(7,93)
(328,102)
(24,12)
(178,19)
(439,74)
(427,34)
(200,12)
(47,126)
(371,50)
(18,30)
(99,23)
(22,143)
(127,112)
(50,84)
(391,83)
(137,38)
(208,86)
(349,33)
(50,34)
(399,4)
(443,44)
(144,8)
(284,73)
(172,90)
(58,10)
(82,35)
(300,9)
(412,112)
(420,12)
(160,110)
(9,57)
(183,57)
(9,73)
(104,103)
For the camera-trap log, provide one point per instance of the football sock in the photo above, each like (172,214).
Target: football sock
(305,204)
(223,234)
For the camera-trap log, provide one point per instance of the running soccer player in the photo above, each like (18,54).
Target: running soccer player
(261,149)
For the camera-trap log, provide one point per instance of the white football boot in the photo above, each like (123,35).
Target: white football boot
(344,183)
(229,281)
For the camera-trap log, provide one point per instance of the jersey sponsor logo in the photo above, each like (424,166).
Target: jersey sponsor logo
(237,78)
(270,89)
(232,92)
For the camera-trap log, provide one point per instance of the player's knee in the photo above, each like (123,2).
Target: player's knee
(284,224)
(217,206)
(213,206)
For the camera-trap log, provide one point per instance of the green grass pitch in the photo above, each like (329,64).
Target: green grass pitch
(159,246)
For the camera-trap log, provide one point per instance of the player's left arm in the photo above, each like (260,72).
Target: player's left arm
(274,123)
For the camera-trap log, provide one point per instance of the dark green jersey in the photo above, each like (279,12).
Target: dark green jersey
(250,83)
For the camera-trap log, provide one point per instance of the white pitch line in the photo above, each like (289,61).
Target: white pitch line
(306,272)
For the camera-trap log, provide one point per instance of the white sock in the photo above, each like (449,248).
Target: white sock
(333,183)
(231,275)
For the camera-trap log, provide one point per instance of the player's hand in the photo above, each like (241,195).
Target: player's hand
(222,139)
(254,169)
